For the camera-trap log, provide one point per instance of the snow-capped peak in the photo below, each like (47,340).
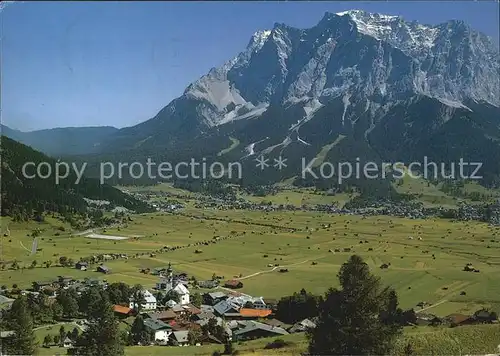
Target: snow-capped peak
(258,39)
(393,29)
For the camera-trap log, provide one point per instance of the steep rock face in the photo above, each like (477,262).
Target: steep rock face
(391,88)
(370,56)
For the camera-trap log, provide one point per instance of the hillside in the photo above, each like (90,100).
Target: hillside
(28,196)
(66,141)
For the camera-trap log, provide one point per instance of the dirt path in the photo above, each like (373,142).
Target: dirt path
(86,232)
(262,272)
(22,245)
(61,323)
(34,246)
(431,306)
(274,269)
(234,291)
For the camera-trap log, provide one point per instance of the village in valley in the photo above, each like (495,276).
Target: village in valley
(250,178)
(203,273)
(180,310)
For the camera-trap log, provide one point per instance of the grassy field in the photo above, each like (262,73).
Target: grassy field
(426,259)
(300,197)
(427,269)
(425,341)
(431,195)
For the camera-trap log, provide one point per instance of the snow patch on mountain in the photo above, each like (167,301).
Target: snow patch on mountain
(286,141)
(411,37)
(258,40)
(388,59)
(251,112)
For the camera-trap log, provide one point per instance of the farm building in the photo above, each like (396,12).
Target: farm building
(121,311)
(103,269)
(458,319)
(39,286)
(485,316)
(233,284)
(82,266)
(208,284)
(253,330)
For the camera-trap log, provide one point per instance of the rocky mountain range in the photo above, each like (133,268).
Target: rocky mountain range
(357,84)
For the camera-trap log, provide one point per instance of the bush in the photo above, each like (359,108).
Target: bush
(277,344)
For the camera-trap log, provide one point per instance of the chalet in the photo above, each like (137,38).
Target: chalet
(214,297)
(5,302)
(458,319)
(233,284)
(428,319)
(485,316)
(121,311)
(277,323)
(209,339)
(164,316)
(180,338)
(40,286)
(159,329)
(171,303)
(65,281)
(89,282)
(208,284)
(5,337)
(203,316)
(186,310)
(302,326)
(67,343)
(225,307)
(149,301)
(103,269)
(253,330)
(258,303)
(270,303)
(82,266)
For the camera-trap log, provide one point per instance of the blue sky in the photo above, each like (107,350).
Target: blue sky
(119,63)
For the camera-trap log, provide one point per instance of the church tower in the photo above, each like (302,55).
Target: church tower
(170,278)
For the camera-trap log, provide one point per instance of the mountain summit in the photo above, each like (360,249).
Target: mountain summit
(371,58)
(365,56)
(390,86)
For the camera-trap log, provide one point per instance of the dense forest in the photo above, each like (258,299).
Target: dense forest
(30,197)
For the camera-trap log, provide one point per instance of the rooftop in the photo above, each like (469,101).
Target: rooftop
(155,324)
(167,314)
(181,336)
(121,309)
(257,313)
(253,325)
